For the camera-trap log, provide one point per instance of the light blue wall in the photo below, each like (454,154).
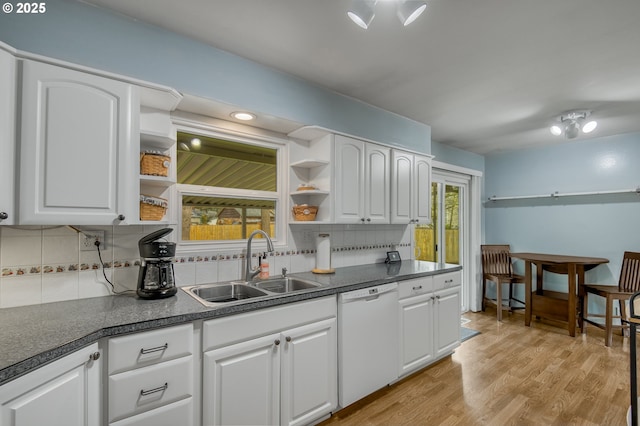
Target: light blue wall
(457,157)
(86,35)
(600,226)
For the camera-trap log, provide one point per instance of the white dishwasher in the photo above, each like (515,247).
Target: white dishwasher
(367,341)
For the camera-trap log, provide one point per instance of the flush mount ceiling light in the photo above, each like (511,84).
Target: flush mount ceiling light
(362,11)
(243,115)
(572,122)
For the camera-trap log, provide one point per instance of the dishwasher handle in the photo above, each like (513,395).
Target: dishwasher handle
(368,293)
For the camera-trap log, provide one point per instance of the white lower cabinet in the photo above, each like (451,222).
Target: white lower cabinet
(429,317)
(416,311)
(66,392)
(286,377)
(150,377)
(447,321)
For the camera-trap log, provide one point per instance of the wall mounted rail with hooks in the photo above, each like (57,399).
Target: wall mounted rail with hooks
(566,194)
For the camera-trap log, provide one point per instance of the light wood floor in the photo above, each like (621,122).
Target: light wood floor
(509,375)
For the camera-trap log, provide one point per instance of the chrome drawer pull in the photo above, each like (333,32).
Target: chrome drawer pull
(418,287)
(150,391)
(448,281)
(144,351)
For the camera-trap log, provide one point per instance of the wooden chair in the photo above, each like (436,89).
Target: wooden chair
(628,284)
(497,267)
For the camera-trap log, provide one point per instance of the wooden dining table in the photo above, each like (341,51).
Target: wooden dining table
(555,305)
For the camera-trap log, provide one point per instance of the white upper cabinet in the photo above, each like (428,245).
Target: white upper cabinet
(361,181)
(410,188)
(7,137)
(76,147)
(377,183)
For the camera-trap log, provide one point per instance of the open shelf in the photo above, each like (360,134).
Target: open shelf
(309,163)
(309,192)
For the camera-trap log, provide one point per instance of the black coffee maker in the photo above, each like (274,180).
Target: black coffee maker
(155,278)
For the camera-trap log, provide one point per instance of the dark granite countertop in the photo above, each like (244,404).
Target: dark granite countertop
(32,336)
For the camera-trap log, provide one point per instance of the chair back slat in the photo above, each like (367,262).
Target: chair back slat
(630,272)
(496,259)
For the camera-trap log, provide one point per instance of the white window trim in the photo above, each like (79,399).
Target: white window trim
(280,196)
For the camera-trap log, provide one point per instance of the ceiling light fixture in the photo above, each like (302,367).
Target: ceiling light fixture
(196,143)
(362,11)
(572,122)
(243,115)
(409,10)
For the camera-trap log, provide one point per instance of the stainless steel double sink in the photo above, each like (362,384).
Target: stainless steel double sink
(237,291)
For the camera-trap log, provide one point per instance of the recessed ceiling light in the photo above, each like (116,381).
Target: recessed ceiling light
(195,143)
(556,130)
(242,115)
(589,126)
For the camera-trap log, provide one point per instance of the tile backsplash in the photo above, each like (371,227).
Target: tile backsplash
(45,264)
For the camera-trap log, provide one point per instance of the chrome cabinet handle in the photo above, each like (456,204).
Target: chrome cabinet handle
(4,215)
(362,219)
(418,287)
(276,342)
(288,339)
(368,219)
(448,281)
(154,390)
(144,351)
(121,217)
(94,356)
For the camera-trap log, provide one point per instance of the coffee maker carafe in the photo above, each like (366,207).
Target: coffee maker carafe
(155,278)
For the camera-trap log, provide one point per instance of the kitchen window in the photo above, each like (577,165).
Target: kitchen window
(228,186)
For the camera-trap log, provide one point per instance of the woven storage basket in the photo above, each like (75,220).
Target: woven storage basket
(154,164)
(152,208)
(305,213)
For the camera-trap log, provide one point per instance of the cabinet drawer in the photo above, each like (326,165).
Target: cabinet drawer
(149,347)
(178,413)
(451,279)
(133,392)
(415,287)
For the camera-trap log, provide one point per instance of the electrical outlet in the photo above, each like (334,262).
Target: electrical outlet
(89,238)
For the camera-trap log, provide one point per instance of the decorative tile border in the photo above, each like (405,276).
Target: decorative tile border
(16,271)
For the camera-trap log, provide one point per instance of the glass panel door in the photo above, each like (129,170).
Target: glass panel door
(443,240)
(440,241)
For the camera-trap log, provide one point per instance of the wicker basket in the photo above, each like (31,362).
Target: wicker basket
(305,213)
(154,164)
(152,208)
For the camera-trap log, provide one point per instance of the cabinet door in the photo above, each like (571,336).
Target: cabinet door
(66,392)
(422,185)
(349,180)
(309,385)
(377,184)
(7,137)
(447,321)
(402,189)
(76,152)
(241,383)
(416,332)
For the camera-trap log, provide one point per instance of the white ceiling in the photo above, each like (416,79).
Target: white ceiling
(485,75)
